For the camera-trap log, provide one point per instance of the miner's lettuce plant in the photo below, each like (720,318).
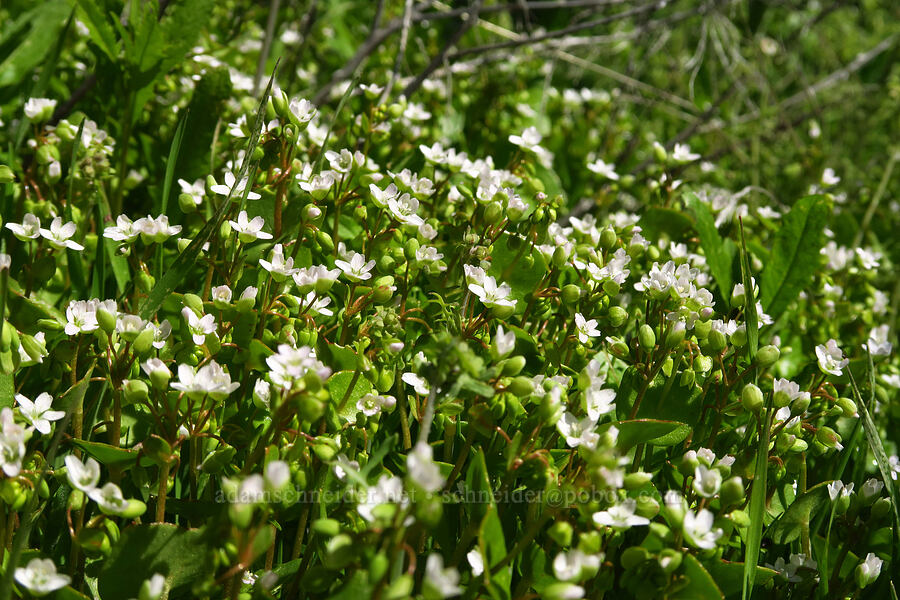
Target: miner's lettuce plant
(263,342)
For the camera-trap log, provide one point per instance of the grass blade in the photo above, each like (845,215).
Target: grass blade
(750,316)
(73,258)
(347,93)
(757,506)
(718,254)
(167,182)
(185,261)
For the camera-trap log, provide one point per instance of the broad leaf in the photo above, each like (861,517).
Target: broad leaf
(719,253)
(658,433)
(788,527)
(795,255)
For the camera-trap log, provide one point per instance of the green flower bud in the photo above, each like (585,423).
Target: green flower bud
(502,312)
(715,342)
(646,337)
(608,238)
(647,507)
(767,355)
(106,320)
(702,364)
(144,341)
(570,294)
(513,366)
(702,329)
(634,481)
(739,337)
(617,316)
(800,404)
(611,287)
(619,349)
(847,406)
(521,386)
(740,518)
(881,508)
(669,560)
(6,174)
(829,438)
(135,390)
(752,398)
(675,335)
(634,556)
(493,213)
(186,203)
(732,492)
(326,527)
(561,533)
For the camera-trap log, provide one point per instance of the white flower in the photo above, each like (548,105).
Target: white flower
(195,190)
(262,392)
(290,365)
(831,359)
(491,294)
(276,475)
(834,489)
(39,108)
(155,365)
(599,402)
(199,327)
(309,277)
(230,183)
(604,169)
(788,390)
(868,259)
(302,109)
(707,481)
(586,328)
(682,153)
(418,384)
(123,231)
(388,489)
(578,432)
(210,379)
(152,588)
(12,443)
(878,344)
(81,317)
(867,572)
(871,488)
(221,295)
(505,341)
(529,138)
(357,269)
(82,476)
(58,235)
(280,267)
(373,404)
(30,228)
(474,274)
(40,578)
(109,498)
(249,230)
(476,561)
(620,516)
(829,177)
(161,333)
(422,469)
(5,261)
(698,529)
(404,208)
(382,197)
(574,565)
(38,413)
(155,230)
(443,581)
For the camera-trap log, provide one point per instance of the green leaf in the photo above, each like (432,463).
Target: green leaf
(795,255)
(180,269)
(44,22)
(73,257)
(658,221)
(653,431)
(167,182)
(700,585)
(750,316)
(728,575)
(341,394)
(108,455)
(181,555)
(511,265)
(719,253)
(789,525)
(102,32)
(494,544)
(478,481)
(67,593)
(757,503)
(7,391)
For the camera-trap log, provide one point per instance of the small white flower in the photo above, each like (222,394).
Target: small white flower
(682,153)
(599,402)
(109,498)
(30,228)
(620,516)
(707,481)
(230,183)
(221,295)
(418,384)
(586,328)
(505,341)
(39,109)
(123,231)
(869,570)
(210,379)
(491,294)
(574,565)
(82,476)
(81,317)
(878,344)
(156,229)
(5,261)
(834,489)
(831,359)
(388,490)
(195,190)
(403,208)
(603,169)
(40,578)
(38,413)
(290,365)
(578,432)
(443,581)
(249,230)
(829,177)
(302,109)
(373,404)
(357,269)
(422,469)
(58,235)
(476,561)
(199,327)
(698,529)
(280,267)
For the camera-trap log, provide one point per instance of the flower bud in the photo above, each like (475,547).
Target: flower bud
(513,366)
(646,337)
(702,329)
(670,560)
(829,438)
(6,174)
(105,320)
(570,294)
(561,533)
(617,316)
(608,238)
(521,386)
(732,492)
(847,406)
(634,556)
(881,508)
(752,398)
(715,342)
(611,287)
(135,390)
(675,335)
(767,355)
(800,404)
